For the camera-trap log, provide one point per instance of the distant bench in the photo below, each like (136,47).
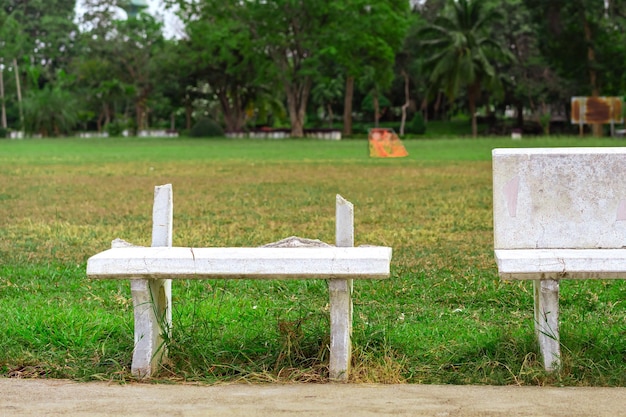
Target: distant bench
(558,214)
(151,269)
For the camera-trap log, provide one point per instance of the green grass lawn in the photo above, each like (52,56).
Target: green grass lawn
(442,317)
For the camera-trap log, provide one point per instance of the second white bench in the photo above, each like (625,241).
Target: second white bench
(559,213)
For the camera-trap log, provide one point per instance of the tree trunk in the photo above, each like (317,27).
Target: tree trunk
(141,109)
(139,116)
(520,114)
(407,101)
(4,109)
(424,109)
(438,106)
(593,76)
(347,106)
(473,93)
(234,115)
(107,114)
(188,111)
(99,122)
(472,108)
(19,94)
(329,110)
(376,104)
(296,117)
(544,118)
(297,98)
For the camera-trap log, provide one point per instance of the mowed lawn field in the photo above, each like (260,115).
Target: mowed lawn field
(443,316)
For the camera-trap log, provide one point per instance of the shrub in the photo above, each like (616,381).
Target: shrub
(417,125)
(114,128)
(206,128)
(4,133)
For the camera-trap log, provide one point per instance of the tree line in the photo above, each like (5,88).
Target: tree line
(301,63)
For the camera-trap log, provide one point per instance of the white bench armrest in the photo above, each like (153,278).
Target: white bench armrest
(561,263)
(372,262)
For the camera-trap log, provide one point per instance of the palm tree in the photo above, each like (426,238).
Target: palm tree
(462,51)
(325,94)
(51,111)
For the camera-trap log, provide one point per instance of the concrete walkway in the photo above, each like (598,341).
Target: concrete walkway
(65,398)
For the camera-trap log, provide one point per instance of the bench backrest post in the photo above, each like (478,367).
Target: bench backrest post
(344,223)
(152,298)
(340,292)
(162,216)
(162,232)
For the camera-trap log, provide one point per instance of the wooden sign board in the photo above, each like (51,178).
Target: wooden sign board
(597,110)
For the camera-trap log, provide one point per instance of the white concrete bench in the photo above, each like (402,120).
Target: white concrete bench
(558,214)
(151,270)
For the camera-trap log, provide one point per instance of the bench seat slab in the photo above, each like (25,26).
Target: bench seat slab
(541,264)
(371,262)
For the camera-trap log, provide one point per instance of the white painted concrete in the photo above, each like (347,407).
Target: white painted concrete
(546,294)
(151,270)
(370,262)
(559,198)
(340,293)
(561,263)
(152,298)
(559,213)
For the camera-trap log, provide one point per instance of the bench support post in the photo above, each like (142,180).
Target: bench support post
(547,321)
(152,298)
(340,292)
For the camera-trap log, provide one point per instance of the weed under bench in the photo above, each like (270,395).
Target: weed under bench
(151,270)
(559,213)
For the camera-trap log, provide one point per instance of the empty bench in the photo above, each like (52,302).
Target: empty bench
(559,213)
(151,270)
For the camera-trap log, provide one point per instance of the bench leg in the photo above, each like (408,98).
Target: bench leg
(340,292)
(547,322)
(152,324)
(152,299)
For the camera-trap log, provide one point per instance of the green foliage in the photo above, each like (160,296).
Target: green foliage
(238,59)
(364,41)
(464,26)
(327,91)
(462,51)
(4,133)
(115,128)
(417,125)
(581,43)
(206,128)
(12,38)
(368,103)
(223,60)
(51,111)
(117,69)
(29,23)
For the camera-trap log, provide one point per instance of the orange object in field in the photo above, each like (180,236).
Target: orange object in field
(384,143)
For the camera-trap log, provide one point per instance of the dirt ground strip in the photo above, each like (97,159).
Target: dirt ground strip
(65,398)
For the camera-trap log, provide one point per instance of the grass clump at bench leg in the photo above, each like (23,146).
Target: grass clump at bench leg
(442,317)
